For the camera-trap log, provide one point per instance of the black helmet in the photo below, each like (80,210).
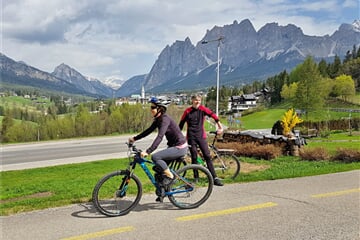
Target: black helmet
(158,102)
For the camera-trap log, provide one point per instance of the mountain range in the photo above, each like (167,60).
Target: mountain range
(245,55)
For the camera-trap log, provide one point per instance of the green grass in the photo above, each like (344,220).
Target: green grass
(355,135)
(33,189)
(266,119)
(355,99)
(291,167)
(21,102)
(262,120)
(336,141)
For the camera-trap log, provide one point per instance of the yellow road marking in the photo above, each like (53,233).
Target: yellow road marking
(226,211)
(332,194)
(101,234)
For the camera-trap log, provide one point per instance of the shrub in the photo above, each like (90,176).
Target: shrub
(314,154)
(346,155)
(325,133)
(255,150)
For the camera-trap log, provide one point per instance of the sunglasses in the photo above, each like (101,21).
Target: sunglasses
(153,107)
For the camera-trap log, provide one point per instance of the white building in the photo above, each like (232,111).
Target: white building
(242,103)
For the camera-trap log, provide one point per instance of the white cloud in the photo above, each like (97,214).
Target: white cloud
(124,37)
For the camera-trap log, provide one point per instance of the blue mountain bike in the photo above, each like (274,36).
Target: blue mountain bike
(117,193)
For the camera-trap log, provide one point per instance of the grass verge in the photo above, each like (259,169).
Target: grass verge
(34,189)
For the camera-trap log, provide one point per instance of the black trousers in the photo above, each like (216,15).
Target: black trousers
(204,148)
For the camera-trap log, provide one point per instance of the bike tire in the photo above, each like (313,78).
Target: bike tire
(227,166)
(117,193)
(190,192)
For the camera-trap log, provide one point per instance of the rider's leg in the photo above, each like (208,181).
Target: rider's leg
(169,154)
(204,148)
(193,150)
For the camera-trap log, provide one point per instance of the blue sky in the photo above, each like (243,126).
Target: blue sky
(123,38)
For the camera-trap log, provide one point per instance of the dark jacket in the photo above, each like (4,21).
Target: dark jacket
(166,126)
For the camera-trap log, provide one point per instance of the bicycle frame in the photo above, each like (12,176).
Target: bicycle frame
(142,162)
(212,146)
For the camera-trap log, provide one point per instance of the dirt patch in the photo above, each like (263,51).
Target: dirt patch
(249,167)
(35,195)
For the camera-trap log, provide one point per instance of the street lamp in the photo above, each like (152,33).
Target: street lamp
(218,69)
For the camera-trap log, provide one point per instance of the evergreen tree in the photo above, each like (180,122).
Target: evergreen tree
(354,53)
(323,68)
(334,69)
(275,84)
(352,68)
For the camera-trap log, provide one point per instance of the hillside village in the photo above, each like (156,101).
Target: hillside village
(235,103)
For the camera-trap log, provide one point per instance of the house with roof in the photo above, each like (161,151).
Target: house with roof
(242,102)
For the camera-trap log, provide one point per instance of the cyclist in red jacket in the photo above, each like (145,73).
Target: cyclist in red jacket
(194,116)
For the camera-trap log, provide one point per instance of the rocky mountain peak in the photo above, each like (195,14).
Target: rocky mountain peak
(66,72)
(356,25)
(71,75)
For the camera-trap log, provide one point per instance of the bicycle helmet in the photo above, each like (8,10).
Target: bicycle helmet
(159,103)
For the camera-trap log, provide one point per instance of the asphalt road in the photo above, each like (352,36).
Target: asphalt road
(324,207)
(42,154)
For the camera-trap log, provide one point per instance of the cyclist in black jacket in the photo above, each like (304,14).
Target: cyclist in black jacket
(194,116)
(177,145)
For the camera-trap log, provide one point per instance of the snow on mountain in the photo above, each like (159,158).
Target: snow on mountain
(114,82)
(356,25)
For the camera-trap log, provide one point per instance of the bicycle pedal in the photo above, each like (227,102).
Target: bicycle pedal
(159,199)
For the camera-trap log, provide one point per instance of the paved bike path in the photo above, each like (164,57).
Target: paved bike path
(318,207)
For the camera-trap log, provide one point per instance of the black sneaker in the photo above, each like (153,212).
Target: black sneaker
(167,181)
(217,182)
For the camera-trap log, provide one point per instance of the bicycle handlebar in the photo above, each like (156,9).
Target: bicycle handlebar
(215,138)
(133,148)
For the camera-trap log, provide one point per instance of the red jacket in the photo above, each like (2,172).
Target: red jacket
(195,121)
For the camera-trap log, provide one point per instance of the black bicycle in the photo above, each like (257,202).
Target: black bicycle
(117,193)
(226,163)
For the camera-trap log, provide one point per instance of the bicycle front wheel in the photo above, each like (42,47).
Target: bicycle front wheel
(192,187)
(117,193)
(226,166)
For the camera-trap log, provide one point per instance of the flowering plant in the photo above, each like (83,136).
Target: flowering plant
(289,121)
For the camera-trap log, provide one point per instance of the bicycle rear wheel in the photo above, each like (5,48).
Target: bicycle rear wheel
(226,165)
(177,164)
(192,187)
(117,193)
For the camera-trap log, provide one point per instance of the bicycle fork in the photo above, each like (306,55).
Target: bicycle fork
(121,192)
